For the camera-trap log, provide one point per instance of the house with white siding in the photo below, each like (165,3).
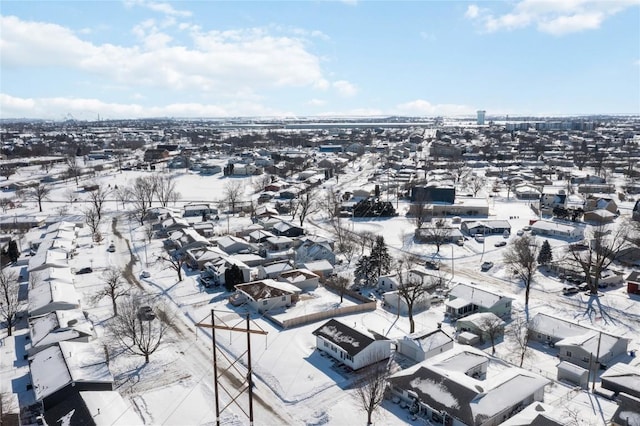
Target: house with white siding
(353,347)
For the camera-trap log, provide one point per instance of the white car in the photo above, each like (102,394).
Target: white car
(145,274)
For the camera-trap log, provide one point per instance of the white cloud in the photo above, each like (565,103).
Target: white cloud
(472,12)
(550,16)
(88,109)
(160,7)
(345,88)
(421,107)
(218,62)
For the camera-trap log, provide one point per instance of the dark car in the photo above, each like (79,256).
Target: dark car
(486,266)
(86,270)
(500,244)
(430,264)
(570,290)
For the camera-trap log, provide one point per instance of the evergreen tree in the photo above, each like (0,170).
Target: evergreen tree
(380,257)
(545,256)
(365,270)
(233,276)
(12,251)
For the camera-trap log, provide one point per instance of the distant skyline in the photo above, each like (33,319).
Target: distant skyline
(183,59)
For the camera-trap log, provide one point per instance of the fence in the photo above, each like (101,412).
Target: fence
(366,305)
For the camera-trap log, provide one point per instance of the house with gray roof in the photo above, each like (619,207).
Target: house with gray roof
(467,299)
(421,346)
(353,347)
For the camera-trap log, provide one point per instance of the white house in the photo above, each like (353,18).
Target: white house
(556,229)
(355,348)
(421,346)
(467,299)
(69,367)
(394,302)
(266,295)
(304,279)
(454,388)
(69,325)
(52,296)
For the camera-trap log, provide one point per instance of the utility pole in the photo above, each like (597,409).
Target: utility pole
(246,384)
(597,363)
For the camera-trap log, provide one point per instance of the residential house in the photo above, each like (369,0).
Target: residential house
(279,243)
(622,378)
(198,210)
(45,258)
(77,366)
(93,408)
(527,191)
(50,296)
(266,295)
(628,411)
(216,269)
(576,343)
(304,279)
(555,229)
(467,299)
(69,325)
(172,224)
(186,239)
(633,283)
(260,236)
(287,229)
(272,270)
(421,346)
(453,389)
(599,216)
(230,245)
(389,282)
(206,229)
(485,227)
(197,258)
(598,203)
(393,301)
(312,250)
(482,324)
(353,347)
(321,267)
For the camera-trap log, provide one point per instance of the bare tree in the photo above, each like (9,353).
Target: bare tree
(174,261)
(522,257)
(520,334)
(7,171)
(604,245)
(165,189)
(149,232)
(140,327)
(141,196)
(70,196)
(97,198)
(92,219)
(410,290)
(370,388)
(331,205)
(420,210)
(438,234)
(476,183)
(114,287)
(9,300)
(493,327)
(73,167)
(233,191)
(122,195)
(261,182)
(307,205)
(39,194)
(339,283)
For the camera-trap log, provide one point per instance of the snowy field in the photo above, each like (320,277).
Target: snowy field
(294,384)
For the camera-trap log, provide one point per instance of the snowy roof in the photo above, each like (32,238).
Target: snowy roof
(518,388)
(67,362)
(61,275)
(431,340)
(318,265)
(52,293)
(297,275)
(480,318)
(352,341)
(48,258)
(266,289)
(59,325)
(548,225)
(99,408)
(475,295)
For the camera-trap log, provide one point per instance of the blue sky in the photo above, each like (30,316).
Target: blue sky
(141,58)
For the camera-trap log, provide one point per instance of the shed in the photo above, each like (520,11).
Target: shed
(573,374)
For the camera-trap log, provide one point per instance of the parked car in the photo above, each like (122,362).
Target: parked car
(500,244)
(520,233)
(430,264)
(111,248)
(486,266)
(583,287)
(145,313)
(479,238)
(570,290)
(145,274)
(526,228)
(86,270)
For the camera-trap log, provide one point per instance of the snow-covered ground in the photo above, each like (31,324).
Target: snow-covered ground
(295,385)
